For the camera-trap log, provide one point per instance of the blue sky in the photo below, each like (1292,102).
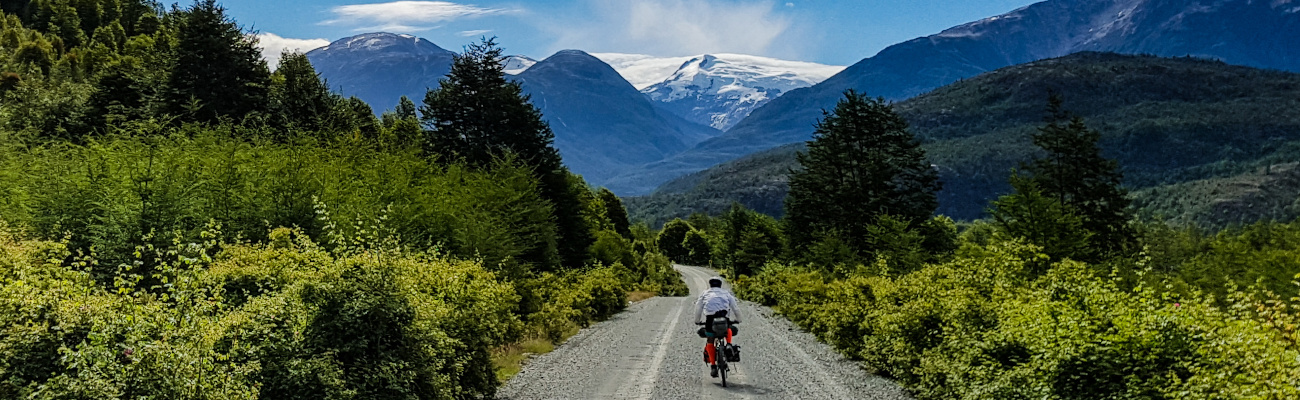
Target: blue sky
(838,32)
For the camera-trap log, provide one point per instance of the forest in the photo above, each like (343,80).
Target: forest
(177,221)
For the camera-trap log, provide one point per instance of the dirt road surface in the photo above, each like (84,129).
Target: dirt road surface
(651,351)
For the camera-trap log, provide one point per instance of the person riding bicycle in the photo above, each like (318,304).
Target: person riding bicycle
(715,303)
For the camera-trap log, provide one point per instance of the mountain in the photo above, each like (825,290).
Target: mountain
(716,90)
(721,90)
(1168,121)
(380,68)
(517,64)
(1245,32)
(602,123)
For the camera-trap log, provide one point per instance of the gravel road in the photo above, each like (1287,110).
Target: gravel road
(651,351)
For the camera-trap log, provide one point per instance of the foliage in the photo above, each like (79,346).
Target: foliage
(219,71)
(1042,220)
(670,240)
(861,163)
(1075,174)
(476,115)
(616,213)
(697,248)
(987,325)
(285,320)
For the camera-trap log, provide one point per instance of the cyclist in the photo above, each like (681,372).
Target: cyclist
(715,303)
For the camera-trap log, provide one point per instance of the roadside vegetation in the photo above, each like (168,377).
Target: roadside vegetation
(1061,294)
(179,222)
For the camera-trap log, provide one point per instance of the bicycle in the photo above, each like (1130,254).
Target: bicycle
(730,352)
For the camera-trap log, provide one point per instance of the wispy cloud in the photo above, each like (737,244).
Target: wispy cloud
(676,27)
(406,16)
(480,32)
(272,45)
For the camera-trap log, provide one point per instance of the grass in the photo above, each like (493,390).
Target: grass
(509,359)
(635,296)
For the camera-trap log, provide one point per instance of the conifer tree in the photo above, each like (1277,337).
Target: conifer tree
(862,163)
(616,213)
(122,93)
(217,66)
(1041,219)
(477,115)
(405,108)
(302,98)
(1076,174)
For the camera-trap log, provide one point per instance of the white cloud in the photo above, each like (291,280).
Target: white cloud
(406,16)
(272,45)
(480,32)
(676,27)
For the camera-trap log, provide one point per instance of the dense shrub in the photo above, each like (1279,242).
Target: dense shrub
(987,325)
(268,321)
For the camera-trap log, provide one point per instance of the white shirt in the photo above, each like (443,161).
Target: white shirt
(714,300)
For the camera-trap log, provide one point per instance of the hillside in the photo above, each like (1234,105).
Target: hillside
(1268,193)
(602,124)
(1251,33)
(1167,120)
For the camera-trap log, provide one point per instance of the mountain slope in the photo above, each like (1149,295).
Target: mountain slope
(602,124)
(721,90)
(514,65)
(1167,120)
(1247,32)
(380,68)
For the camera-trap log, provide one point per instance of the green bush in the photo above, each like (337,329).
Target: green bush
(287,320)
(994,323)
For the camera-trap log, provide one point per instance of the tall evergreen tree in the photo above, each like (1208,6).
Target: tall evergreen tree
(302,98)
(476,115)
(218,71)
(862,163)
(405,108)
(616,213)
(1076,174)
(121,94)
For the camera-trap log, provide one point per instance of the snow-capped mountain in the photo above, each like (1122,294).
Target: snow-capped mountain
(715,89)
(1245,32)
(517,64)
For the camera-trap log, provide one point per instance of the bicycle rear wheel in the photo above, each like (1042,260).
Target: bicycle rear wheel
(722,371)
(722,368)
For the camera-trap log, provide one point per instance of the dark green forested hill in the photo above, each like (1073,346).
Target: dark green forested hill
(1167,121)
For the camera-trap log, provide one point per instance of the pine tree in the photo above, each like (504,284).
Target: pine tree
(1041,219)
(121,94)
(302,98)
(1076,174)
(476,115)
(862,163)
(218,66)
(405,108)
(616,213)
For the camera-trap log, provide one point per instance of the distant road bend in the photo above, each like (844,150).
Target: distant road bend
(651,351)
